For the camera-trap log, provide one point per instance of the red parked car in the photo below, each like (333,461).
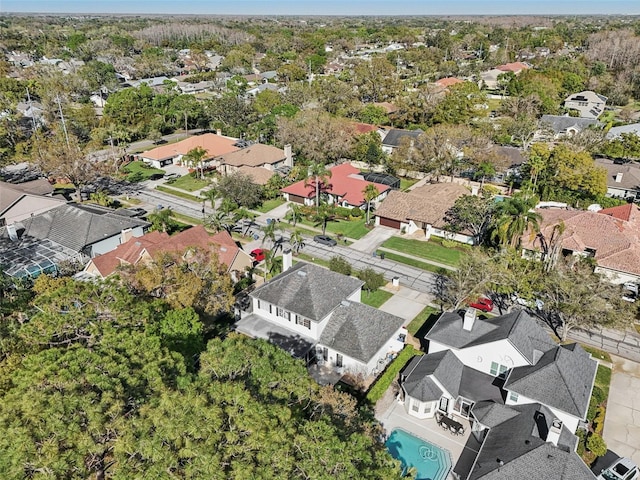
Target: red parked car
(484,304)
(258,254)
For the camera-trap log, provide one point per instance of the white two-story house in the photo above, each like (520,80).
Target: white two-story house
(316,314)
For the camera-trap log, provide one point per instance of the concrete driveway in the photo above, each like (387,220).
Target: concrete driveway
(622,422)
(406,303)
(372,240)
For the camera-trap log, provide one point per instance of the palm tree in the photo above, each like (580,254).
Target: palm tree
(296,240)
(219,221)
(295,214)
(318,176)
(212,194)
(515,216)
(270,230)
(161,220)
(195,157)
(323,217)
(370,192)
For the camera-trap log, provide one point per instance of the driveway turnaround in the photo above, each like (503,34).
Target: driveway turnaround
(622,421)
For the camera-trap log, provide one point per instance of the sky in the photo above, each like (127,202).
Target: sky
(326,7)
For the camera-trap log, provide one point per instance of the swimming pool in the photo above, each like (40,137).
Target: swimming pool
(430,461)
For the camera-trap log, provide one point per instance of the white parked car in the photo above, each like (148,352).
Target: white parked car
(630,291)
(621,469)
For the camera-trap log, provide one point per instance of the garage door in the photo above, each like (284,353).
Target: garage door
(296,199)
(388,222)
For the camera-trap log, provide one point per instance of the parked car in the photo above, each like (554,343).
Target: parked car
(171,176)
(325,240)
(484,304)
(137,211)
(537,303)
(258,254)
(630,292)
(621,469)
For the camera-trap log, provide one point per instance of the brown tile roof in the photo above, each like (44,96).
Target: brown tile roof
(426,204)
(130,253)
(215,145)
(448,81)
(616,242)
(253,156)
(259,175)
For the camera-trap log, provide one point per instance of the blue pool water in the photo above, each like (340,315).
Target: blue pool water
(430,461)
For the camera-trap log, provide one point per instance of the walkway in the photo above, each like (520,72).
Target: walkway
(622,422)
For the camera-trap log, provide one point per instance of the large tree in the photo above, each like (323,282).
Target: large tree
(239,188)
(472,213)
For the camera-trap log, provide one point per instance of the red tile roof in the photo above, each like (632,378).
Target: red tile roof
(362,128)
(215,145)
(514,67)
(448,81)
(622,212)
(346,182)
(130,252)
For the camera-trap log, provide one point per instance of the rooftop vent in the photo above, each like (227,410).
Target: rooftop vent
(302,273)
(554,432)
(345,303)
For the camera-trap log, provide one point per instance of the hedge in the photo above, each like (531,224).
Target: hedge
(384,381)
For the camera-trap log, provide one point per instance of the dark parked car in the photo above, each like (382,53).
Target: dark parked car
(139,212)
(325,240)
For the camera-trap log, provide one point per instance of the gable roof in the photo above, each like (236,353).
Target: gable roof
(516,447)
(395,136)
(562,123)
(259,175)
(517,327)
(215,145)
(254,155)
(346,182)
(12,192)
(562,378)
(359,331)
(448,81)
(152,243)
(627,212)
(308,290)
(427,204)
(615,132)
(362,128)
(77,227)
(514,67)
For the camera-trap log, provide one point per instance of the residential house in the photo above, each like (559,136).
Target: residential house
(22,200)
(316,314)
(623,179)
(255,156)
(153,82)
(261,88)
(490,77)
(615,132)
(448,81)
(523,395)
(146,247)
(423,208)
(89,230)
(215,145)
(393,138)
(610,236)
(588,104)
(345,187)
(554,127)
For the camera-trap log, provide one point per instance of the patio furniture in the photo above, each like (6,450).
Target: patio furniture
(450,424)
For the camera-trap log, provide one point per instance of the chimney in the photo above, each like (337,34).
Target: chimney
(618,177)
(287,260)
(554,432)
(288,155)
(13,234)
(219,132)
(475,189)
(469,319)
(126,235)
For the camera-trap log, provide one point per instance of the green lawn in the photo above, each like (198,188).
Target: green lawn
(186,218)
(269,205)
(178,193)
(412,262)
(375,299)
(349,228)
(427,318)
(310,259)
(145,169)
(405,183)
(188,183)
(431,250)
(597,353)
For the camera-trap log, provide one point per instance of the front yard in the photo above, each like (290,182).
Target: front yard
(140,171)
(349,228)
(269,205)
(376,298)
(189,183)
(429,250)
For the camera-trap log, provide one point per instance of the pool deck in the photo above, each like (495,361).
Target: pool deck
(397,417)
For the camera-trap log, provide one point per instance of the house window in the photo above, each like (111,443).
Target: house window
(281,312)
(415,406)
(305,322)
(513,396)
(258,304)
(498,370)
(339,360)
(463,407)
(444,404)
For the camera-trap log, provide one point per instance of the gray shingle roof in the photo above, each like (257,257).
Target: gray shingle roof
(76,227)
(308,290)
(517,448)
(395,136)
(491,414)
(517,327)
(562,378)
(444,366)
(560,123)
(358,330)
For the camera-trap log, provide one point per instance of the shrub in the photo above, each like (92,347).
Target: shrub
(372,279)
(381,385)
(596,445)
(356,213)
(597,397)
(135,177)
(340,265)
(342,212)
(582,441)
(598,421)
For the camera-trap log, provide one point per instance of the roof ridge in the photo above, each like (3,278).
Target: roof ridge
(564,379)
